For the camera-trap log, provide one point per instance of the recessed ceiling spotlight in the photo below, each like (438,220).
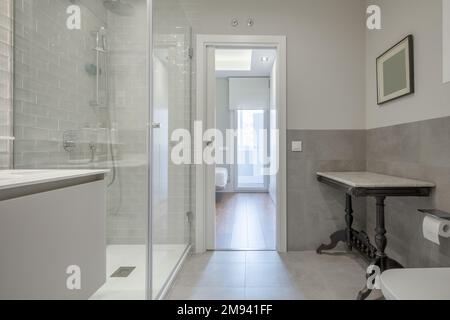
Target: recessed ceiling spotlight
(265,59)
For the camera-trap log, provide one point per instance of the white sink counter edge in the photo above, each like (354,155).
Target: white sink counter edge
(20,178)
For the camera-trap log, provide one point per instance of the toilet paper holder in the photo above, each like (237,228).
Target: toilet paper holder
(436,213)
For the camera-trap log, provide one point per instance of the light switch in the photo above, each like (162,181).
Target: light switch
(297,146)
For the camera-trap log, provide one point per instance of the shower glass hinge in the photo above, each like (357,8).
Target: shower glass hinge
(191,53)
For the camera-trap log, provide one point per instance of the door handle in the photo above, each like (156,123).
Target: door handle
(156,125)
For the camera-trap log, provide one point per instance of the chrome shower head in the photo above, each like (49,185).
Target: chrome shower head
(119,7)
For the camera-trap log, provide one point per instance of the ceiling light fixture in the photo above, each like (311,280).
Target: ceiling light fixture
(233,60)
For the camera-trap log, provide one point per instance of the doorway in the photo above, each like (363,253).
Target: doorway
(241,93)
(245,214)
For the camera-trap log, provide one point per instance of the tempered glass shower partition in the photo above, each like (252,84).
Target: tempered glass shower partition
(81,100)
(171,111)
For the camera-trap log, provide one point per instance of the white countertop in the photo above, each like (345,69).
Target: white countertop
(19,178)
(416,284)
(374,180)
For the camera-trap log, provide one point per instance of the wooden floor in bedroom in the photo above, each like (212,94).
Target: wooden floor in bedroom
(245,221)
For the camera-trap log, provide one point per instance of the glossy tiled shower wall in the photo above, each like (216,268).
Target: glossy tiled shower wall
(54,94)
(52,90)
(6,27)
(129,110)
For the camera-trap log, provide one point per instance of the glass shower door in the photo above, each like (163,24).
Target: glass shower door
(171,111)
(81,101)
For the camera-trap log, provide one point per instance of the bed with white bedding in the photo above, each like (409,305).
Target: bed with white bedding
(221,178)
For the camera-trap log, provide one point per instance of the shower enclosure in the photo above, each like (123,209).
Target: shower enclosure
(84,73)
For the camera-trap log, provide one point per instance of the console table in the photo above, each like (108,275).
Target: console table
(368,184)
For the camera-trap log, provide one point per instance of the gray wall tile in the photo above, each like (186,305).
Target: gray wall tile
(394,143)
(315,211)
(418,150)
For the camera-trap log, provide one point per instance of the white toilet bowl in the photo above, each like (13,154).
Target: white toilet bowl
(416,284)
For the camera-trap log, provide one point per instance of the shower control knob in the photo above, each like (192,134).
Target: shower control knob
(70,139)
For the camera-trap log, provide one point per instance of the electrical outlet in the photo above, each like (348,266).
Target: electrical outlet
(297,146)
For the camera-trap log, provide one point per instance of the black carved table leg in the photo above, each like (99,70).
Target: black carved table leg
(365,293)
(349,220)
(382,260)
(381,243)
(342,235)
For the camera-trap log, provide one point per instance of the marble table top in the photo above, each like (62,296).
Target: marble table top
(374,180)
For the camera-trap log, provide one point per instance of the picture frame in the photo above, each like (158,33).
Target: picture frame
(395,71)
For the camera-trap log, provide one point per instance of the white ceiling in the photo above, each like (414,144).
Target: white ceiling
(259,68)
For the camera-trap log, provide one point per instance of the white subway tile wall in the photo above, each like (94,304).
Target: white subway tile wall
(53,99)
(129,111)
(52,90)
(55,85)
(6,53)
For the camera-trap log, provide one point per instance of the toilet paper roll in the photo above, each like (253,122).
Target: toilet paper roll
(434,227)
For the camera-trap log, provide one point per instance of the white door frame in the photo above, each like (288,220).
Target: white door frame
(278,43)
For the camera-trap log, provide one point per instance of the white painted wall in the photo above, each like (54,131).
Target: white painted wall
(326,52)
(222,106)
(223,120)
(423,19)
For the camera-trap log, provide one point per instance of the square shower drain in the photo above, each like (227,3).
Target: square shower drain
(123,272)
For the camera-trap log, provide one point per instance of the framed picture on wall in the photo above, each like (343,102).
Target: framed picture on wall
(395,71)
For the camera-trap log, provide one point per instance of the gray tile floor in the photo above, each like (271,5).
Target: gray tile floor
(259,275)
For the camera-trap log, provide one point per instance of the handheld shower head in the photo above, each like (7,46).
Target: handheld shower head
(101,39)
(119,7)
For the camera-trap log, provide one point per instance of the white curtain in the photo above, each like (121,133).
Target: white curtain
(249,93)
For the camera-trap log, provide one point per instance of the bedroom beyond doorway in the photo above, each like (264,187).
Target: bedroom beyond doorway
(245,192)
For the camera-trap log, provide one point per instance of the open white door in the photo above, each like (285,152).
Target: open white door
(274,143)
(210,174)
